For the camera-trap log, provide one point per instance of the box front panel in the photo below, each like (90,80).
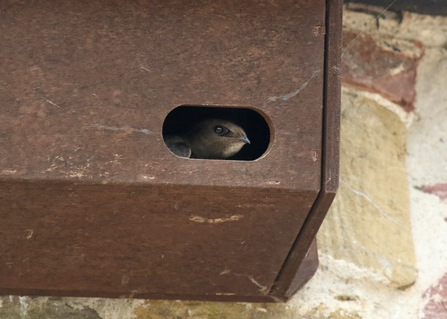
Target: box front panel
(86,85)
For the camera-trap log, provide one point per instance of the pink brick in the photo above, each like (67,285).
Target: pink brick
(370,67)
(438,190)
(436,308)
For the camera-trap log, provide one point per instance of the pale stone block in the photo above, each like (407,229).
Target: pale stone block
(369,221)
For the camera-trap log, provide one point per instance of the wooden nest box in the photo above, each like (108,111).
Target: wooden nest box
(93,203)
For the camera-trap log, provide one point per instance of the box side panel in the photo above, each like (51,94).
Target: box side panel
(286,284)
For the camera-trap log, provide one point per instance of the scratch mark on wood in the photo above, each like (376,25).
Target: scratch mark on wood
(29,233)
(8,171)
(199,219)
(146,69)
(290,95)
(125,280)
(225,272)
(52,103)
(263,289)
(117,128)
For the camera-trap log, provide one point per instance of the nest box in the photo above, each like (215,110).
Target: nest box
(93,203)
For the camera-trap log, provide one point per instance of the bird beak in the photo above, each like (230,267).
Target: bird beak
(245,139)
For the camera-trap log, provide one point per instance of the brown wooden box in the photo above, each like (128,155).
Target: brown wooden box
(92,203)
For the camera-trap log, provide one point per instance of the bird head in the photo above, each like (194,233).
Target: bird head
(217,139)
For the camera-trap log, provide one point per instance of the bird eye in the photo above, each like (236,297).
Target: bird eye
(219,130)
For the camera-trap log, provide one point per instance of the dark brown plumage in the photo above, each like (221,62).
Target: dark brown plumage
(209,139)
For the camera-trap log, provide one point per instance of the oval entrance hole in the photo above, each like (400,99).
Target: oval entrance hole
(216,133)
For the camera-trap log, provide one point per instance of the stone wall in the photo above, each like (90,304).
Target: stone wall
(383,245)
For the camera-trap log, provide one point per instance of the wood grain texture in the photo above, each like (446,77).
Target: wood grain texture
(92,203)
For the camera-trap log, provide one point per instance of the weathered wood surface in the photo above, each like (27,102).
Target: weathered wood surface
(92,201)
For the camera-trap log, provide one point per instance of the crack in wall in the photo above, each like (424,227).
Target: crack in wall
(371,202)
